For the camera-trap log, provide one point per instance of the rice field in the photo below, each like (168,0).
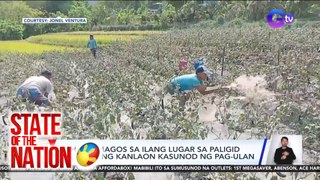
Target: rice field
(80,39)
(69,41)
(138,33)
(28,48)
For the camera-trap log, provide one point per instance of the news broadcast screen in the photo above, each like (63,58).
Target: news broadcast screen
(170,90)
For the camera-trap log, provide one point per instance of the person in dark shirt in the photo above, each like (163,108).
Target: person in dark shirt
(284,154)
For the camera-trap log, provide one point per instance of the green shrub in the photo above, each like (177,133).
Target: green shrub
(11,31)
(168,16)
(237,22)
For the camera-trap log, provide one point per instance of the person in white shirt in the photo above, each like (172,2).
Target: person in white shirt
(37,89)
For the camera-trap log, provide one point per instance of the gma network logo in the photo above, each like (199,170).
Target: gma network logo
(279,21)
(88,154)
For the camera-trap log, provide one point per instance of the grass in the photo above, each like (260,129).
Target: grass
(80,39)
(27,47)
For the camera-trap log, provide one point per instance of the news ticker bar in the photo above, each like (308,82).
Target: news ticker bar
(183,168)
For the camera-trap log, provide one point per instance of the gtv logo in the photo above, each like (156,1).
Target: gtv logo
(279,21)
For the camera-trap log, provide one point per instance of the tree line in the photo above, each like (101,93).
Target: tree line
(138,13)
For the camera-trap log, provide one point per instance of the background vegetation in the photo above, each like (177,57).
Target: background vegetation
(129,15)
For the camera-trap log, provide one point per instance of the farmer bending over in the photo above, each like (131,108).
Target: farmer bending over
(37,89)
(183,85)
(92,44)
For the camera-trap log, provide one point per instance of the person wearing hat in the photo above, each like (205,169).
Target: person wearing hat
(37,89)
(92,44)
(183,85)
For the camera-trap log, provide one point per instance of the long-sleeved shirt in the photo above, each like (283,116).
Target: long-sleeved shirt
(92,44)
(280,152)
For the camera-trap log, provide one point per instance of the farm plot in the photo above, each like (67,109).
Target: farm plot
(117,95)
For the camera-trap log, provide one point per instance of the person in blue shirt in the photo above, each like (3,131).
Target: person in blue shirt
(92,44)
(183,85)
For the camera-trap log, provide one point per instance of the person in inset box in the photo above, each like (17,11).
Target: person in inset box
(284,154)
